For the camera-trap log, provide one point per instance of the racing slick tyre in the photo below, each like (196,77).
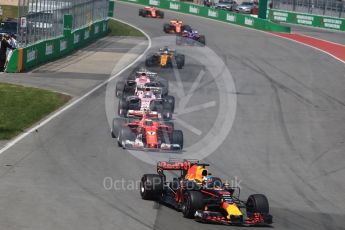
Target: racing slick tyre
(165,90)
(124,135)
(202,40)
(160,14)
(116,127)
(257,203)
(170,101)
(141,12)
(122,107)
(168,110)
(119,89)
(166,27)
(179,61)
(177,138)
(151,186)
(192,202)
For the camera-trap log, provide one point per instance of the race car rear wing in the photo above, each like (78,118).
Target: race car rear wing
(175,164)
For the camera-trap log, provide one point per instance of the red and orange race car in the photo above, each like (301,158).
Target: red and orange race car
(203,197)
(148,134)
(175,26)
(152,12)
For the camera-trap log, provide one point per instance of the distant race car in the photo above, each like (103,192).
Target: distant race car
(165,58)
(190,37)
(138,80)
(147,99)
(203,197)
(175,26)
(147,134)
(152,12)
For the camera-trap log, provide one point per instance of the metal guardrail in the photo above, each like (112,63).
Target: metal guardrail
(43,19)
(332,8)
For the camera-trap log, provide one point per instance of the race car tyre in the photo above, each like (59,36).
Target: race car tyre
(171,101)
(177,138)
(257,203)
(166,27)
(202,40)
(168,110)
(119,89)
(134,104)
(125,134)
(122,107)
(151,186)
(192,202)
(179,61)
(141,12)
(160,14)
(187,28)
(165,90)
(116,127)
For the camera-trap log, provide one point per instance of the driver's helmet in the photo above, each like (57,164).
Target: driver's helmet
(165,49)
(148,122)
(195,32)
(147,94)
(166,52)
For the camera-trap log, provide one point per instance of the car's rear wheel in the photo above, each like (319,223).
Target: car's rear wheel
(180,61)
(124,135)
(166,27)
(202,40)
(122,107)
(257,203)
(160,14)
(151,186)
(119,89)
(192,202)
(116,126)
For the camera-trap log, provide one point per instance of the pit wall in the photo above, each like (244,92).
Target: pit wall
(26,58)
(307,19)
(220,15)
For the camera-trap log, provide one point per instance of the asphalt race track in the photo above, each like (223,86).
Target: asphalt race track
(284,104)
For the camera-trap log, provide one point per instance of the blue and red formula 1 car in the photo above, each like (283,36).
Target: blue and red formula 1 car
(190,37)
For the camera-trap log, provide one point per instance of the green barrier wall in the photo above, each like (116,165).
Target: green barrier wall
(221,15)
(52,49)
(307,19)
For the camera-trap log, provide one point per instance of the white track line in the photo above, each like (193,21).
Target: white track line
(67,107)
(244,27)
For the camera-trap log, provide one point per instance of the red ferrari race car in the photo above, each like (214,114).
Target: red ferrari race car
(175,26)
(147,134)
(203,197)
(152,12)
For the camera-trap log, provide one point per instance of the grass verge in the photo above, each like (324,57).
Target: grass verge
(21,107)
(120,29)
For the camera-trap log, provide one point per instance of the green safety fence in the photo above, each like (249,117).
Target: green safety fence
(221,15)
(307,19)
(47,50)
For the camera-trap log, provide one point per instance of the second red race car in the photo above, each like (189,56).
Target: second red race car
(200,196)
(151,12)
(148,134)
